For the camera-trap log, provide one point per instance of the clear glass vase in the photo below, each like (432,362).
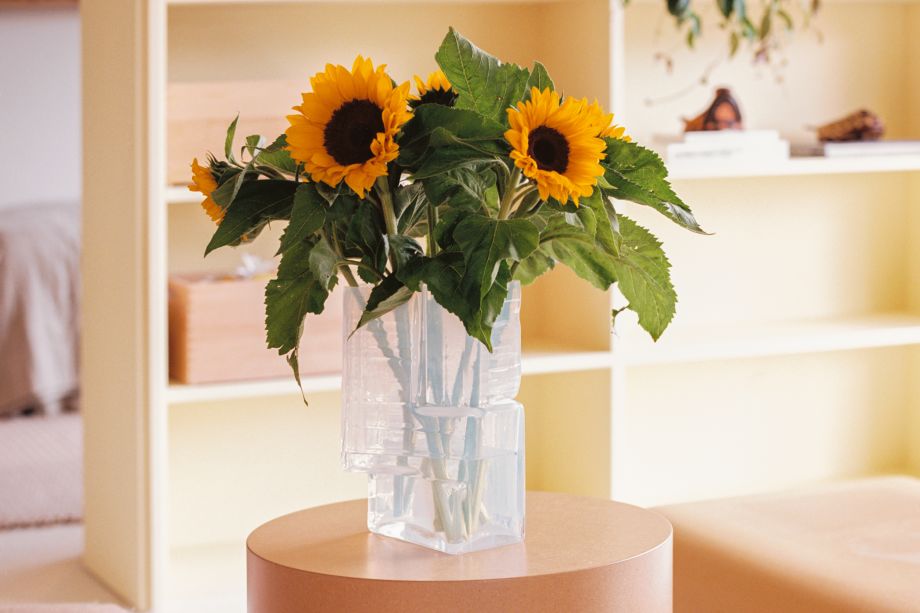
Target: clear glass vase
(430,415)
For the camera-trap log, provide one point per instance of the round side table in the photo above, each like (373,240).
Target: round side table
(579,554)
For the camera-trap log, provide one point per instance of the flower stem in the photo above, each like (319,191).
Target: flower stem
(386,205)
(508,197)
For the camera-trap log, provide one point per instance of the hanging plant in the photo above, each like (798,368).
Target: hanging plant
(764,33)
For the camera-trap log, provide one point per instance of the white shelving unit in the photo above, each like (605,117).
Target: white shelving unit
(794,356)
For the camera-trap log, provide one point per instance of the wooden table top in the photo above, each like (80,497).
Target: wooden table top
(563,534)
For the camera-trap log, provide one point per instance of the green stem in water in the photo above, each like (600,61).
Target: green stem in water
(508,197)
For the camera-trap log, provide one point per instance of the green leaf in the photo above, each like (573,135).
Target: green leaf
(787,19)
(726,7)
(411,206)
(388,295)
(403,248)
(480,325)
(639,175)
(534,266)
(484,84)
(365,237)
(277,156)
(486,243)
(590,256)
(643,273)
(678,8)
(463,124)
(443,275)
(538,78)
(228,141)
(257,203)
(293,293)
(471,188)
(452,156)
(323,263)
(307,215)
(733,42)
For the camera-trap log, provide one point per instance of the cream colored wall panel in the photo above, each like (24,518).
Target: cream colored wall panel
(209,44)
(787,248)
(575,47)
(567,424)
(120,348)
(861,63)
(236,464)
(733,428)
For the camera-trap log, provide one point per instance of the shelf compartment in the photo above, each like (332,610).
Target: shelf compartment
(722,342)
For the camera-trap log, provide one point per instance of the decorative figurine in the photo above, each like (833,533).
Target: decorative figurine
(722,114)
(862,125)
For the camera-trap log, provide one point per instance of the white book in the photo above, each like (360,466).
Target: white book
(732,136)
(680,152)
(858,148)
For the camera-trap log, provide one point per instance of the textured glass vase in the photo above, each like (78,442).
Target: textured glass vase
(430,415)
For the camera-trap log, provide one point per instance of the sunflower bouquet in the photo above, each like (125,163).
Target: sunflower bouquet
(484,179)
(488,175)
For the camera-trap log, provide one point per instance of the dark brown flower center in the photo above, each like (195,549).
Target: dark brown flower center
(351,130)
(549,149)
(445,97)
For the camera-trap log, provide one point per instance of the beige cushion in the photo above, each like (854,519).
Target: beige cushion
(845,547)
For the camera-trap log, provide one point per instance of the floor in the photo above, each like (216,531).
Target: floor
(43,565)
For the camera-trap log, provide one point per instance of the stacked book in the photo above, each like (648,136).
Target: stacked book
(725,145)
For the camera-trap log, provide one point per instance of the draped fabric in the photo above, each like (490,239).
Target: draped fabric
(39,307)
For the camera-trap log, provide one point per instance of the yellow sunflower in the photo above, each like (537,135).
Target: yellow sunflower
(604,122)
(436,89)
(556,144)
(346,127)
(203,181)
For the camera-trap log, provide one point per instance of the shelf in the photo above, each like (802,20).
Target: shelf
(795,166)
(771,339)
(539,360)
(180,194)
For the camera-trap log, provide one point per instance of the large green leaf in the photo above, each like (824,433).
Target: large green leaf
(257,203)
(435,125)
(644,276)
(585,243)
(307,215)
(469,188)
(293,293)
(486,243)
(639,175)
(483,83)
(443,275)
